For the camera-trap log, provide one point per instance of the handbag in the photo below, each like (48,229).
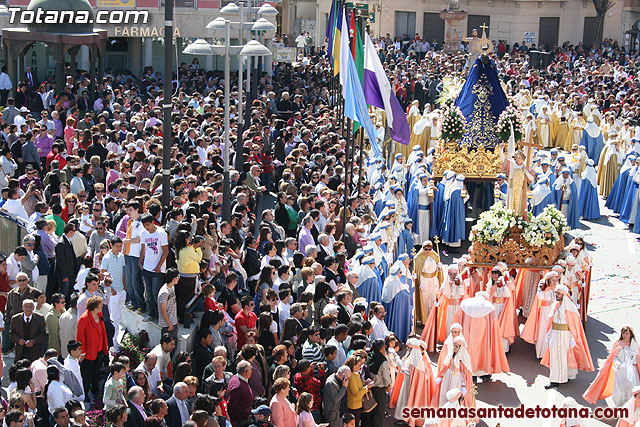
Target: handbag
(368,402)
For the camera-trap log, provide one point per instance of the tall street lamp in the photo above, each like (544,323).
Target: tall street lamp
(202,47)
(241,9)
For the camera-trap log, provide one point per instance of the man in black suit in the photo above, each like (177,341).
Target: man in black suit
(202,353)
(66,261)
(349,243)
(28,330)
(281,215)
(178,412)
(251,262)
(297,311)
(136,414)
(343,314)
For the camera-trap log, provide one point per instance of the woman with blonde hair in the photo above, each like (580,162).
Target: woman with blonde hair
(283,413)
(356,389)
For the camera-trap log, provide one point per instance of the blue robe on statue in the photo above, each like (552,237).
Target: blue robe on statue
(589,201)
(594,145)
(437,210)
(481,101)
(398,302)
(453,217)
(405,244)
(573,214)
(629,199)
(370,285)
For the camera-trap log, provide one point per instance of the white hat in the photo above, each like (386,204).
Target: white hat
(561,288)
(455,326)
(395,269)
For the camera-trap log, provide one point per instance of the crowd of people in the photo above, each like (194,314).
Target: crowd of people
(318,311)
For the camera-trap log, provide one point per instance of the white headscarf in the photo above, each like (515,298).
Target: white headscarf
(461,356)
(560,181)
(415,358)
(592,129)
(610,152)
(590,174)
(541,191)
(454,184)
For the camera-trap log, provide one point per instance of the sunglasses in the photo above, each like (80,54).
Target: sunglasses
(23,280)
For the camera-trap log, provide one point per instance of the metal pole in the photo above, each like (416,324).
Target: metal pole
(226,190)
(247,110)
(239,143)
(166,104)
(360,160)
(346,179)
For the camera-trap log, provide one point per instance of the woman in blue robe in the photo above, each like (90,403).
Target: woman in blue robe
(405,240)
(369,284)
(567,201)
(589,201)
(438,204)
(615,198)
(629,198)
(541,196)
(453,231)
(398,302)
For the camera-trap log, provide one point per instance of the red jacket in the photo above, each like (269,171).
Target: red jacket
(92,336)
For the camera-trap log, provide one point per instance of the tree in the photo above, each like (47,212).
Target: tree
(602,7)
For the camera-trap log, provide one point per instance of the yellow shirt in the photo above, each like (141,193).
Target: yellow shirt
(355,391)
(189,260)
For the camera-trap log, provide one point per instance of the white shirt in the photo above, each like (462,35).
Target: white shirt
(15,208)
(153,243)
(153,377)
(379,329)
(184,412)
(5,82)
(283,313)
(13,267)
(58,395)
(72,364)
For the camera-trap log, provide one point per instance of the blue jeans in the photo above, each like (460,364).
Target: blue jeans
(153,282)
(135,291)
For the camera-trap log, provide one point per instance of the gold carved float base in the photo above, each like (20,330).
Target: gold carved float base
(472,164)
(515,252)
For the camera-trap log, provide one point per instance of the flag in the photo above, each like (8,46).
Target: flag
(337,40)
(378,92)
(358,53)
(355,106)
(345,51)
(352,33)
(331,24)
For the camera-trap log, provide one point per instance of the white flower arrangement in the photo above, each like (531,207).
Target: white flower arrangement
(495,225)
(452,123)
(546,228)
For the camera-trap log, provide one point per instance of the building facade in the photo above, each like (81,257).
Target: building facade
(137,42)
(550,21)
